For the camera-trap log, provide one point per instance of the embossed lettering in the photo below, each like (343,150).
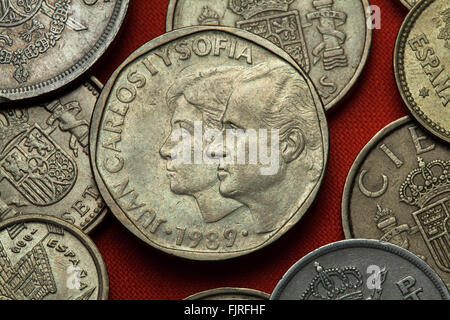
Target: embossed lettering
(417,141)
(372,194)
(406,288)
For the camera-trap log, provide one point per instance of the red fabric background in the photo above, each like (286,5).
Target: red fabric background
(138,271)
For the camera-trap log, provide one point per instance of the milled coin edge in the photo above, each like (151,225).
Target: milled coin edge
(399,72)
(82,237)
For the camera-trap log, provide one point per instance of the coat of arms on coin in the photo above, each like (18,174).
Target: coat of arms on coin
(44,159)
(329,39)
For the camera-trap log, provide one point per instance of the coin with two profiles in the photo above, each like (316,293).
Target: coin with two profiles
(360,270)
(421,64)
(44,159)
(398,191)
(46,44)
(329,39)
(209,143)
(45,258)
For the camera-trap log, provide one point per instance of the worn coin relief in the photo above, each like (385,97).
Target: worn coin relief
(360,269)
(41,260)
(323,37)
(407,194)
(421,65)
(44,160)
(44,42)
(203,210)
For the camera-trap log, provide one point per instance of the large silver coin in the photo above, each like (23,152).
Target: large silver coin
(329,39)
(44,258)
(160,148)
(44,159)
(360,270)
(398,190)
(45,44)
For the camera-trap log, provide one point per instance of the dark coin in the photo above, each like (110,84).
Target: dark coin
(329,39)
(360,270)
(230,294)
(421,64)
(398,190)
(44,159)
(161,155)
(45,44)
(44,258)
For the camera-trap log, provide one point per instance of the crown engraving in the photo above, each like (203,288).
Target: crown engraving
(250,8)
(16,123)
(335,284)
(209,17)
(425,183)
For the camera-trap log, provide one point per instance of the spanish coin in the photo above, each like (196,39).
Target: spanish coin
(45,258)
(398,191)
(173,143)
(329,39)
(409,3)
(44,159)
(422,52)
(230,294)
(45,44)
(360,270)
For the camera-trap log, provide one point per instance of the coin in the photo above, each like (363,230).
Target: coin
(409,3)
(167,137)
(230,294)
(45,258)
(329,39)
(360,270)
(422,52)
(44,159)
(398,190)
(45,44)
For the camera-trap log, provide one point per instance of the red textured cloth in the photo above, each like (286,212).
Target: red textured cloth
(138,271)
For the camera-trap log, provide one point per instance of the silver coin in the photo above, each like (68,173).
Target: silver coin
(360,270)
(45,44)
(409,3)
(230,294)
(398,191)
(329,39)
(45,258)
(44,159)
(209,203)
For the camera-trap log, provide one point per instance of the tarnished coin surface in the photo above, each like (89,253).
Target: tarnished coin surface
(230,294)
(421,64)
(398,190)
(45,258)
(409,3)
(45,44)
(209,143)
(360,270)
(44,159)
(329,39)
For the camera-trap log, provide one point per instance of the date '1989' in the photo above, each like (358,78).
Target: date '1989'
(212,239)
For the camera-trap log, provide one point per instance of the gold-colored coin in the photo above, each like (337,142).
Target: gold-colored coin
(422,55)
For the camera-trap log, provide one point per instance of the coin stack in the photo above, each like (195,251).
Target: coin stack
(211,141)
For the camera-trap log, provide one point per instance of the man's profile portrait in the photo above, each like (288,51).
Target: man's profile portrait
(272,97)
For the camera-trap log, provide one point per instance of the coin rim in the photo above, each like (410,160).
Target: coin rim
(77,69)
(406,4)
(399,68)
(360,158)
(251,293)
(102,273)
(362,243)
(99,87)
(170,19)
(162,40)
